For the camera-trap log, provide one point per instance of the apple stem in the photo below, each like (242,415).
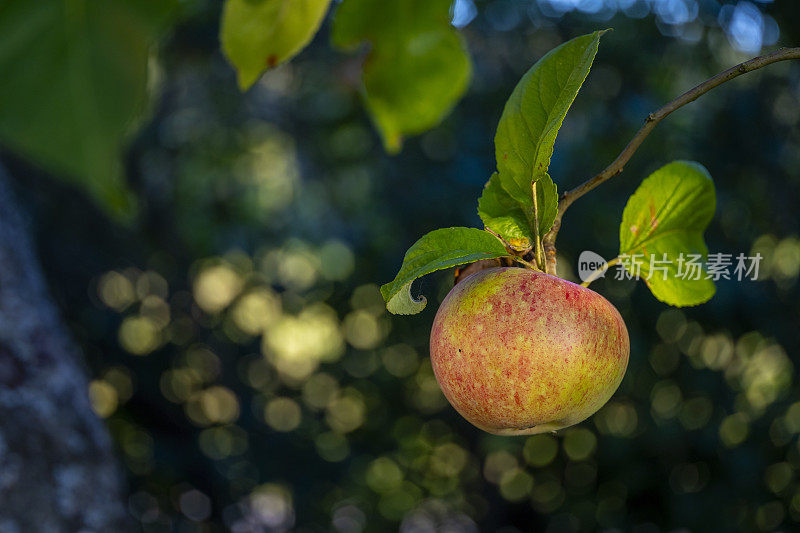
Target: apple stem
(523,262)
(597,273)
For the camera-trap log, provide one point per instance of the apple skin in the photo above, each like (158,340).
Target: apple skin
(518,352)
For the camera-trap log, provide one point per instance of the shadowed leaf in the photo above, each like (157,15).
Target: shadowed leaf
(69,102)
(417,67)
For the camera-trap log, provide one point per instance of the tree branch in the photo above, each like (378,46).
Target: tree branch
(57,466)
(652,120)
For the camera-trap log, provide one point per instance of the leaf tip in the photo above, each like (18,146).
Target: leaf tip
(245,80)
(393,143)
(402,302)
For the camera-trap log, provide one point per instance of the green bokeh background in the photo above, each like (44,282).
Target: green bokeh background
(252,379)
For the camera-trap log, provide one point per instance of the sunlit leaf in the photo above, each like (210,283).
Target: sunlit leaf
(417,68)
(513,220)
(257,35)
(662,226)
(535,110)
(439,249)
(74,83)
(504,215)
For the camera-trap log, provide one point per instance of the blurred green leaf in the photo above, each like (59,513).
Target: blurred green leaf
(504,215)
(74,82)
(439,249)
(665,218)
(257,35)
(417,68)
(513,220)
(535,110)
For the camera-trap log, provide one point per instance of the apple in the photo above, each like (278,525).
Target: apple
(517,351)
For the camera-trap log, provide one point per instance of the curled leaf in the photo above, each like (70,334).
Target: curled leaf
(439,249)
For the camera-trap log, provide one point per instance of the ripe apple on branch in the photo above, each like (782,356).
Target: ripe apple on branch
(519,350)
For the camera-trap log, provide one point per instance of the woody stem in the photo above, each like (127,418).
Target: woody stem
(652,120)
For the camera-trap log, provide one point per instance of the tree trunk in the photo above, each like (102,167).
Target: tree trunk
(57,468)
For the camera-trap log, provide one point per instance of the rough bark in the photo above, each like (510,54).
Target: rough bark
(57,468)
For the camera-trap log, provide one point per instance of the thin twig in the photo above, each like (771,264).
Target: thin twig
(521,261)
(597,273)
(650,123)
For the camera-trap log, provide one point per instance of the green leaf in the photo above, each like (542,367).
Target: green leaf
(667,215)
(417,68)
(513,220)
(547,201)
(74,85)
(257,35)
(504,215)
(535,110)
(439,249)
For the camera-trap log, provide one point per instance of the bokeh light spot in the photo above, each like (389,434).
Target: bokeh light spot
(215,287)
(139,335)
(116,291)
(579,443)
(283,414)
(540,450)
(103,398)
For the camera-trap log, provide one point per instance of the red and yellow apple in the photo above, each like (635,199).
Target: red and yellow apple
(517,351)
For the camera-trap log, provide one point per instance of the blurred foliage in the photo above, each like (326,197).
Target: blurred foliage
(259,35)
(74,113)
(242,356)
(417,67)
(76,78)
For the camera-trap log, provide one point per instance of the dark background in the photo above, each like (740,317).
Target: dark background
(334,421)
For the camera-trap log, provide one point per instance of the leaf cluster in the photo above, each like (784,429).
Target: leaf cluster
(663,220)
